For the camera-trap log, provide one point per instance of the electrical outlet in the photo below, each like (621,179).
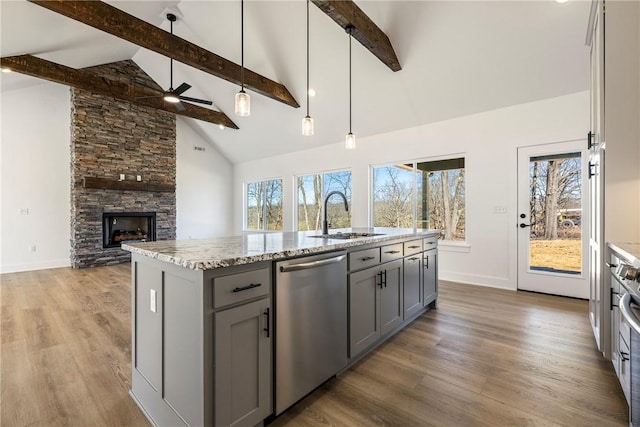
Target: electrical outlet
(153,301)
(24,211)
(499,209)
(32,248)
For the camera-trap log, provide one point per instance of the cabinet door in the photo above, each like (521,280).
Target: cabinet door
(364,328)
(430,276)
(243,364)
(391,307)
(411,286)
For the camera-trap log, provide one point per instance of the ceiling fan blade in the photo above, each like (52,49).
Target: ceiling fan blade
(182,88)
(200,101)
(179,106)
(151,96)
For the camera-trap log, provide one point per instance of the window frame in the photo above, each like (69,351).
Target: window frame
(414,162)
(296,216)
(245,195)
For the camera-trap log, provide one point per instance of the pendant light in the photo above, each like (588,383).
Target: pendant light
(307,122)
(243,101)
(350,140)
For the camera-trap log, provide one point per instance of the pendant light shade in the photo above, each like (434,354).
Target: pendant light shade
(243,100)
(243,104)
(350,139)
(307,122)
(307,126)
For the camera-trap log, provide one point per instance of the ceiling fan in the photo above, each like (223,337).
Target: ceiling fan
(172,95)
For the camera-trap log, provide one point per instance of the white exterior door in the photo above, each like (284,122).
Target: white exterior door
(552,209)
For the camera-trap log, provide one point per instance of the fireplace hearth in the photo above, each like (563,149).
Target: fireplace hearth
(119,227)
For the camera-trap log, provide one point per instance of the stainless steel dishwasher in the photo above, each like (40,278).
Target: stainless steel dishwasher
(310,324)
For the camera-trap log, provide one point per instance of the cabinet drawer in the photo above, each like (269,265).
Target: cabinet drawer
(391,252)
(430,243)
(363,259)
(240,287)
(412,247)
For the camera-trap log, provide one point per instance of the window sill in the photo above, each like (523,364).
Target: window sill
(454,246)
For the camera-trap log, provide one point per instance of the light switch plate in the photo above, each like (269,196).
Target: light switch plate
(153,301)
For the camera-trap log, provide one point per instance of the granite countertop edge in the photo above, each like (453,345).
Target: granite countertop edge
(628,250)
(209,254)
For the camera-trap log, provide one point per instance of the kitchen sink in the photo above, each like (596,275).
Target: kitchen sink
(346,236)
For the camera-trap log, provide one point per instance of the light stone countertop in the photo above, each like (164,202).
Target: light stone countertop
(208,254)
(628,250)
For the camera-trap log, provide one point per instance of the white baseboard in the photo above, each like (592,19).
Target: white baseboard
(30,266)
(476,279)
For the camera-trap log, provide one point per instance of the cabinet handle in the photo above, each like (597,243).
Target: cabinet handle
(385,277)
(413,259)
(414,247)
(608,264)
(623,355)
(392,252)
(429,243)
(266,314)
(246,288)
(426,264)
(368,258)
(380,275)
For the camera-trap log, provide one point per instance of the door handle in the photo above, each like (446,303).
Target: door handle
(523,225)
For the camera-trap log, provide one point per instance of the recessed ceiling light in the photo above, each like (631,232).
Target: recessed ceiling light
(6,70)
(561,1)
(221,127)
(312,92)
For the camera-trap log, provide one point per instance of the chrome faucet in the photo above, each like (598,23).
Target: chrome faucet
(325,223)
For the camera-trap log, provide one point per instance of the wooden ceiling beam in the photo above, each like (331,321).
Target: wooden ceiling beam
(87,80)
(345,13)
(114,21)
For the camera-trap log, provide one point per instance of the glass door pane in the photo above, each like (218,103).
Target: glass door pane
(555,188)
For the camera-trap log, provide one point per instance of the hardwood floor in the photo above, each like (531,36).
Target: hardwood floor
(486,357)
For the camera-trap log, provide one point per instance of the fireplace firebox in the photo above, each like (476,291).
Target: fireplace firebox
(119,227)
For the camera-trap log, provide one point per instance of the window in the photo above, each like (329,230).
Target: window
(428,194)
(312,189)
(264,205)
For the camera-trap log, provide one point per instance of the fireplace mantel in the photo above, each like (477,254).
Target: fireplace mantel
(111,184)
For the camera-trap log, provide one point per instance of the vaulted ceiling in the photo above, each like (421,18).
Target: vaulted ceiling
(457,58)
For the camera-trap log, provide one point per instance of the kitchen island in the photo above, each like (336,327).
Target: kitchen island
(208,323)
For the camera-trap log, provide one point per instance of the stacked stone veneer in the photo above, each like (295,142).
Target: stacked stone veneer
(110,137)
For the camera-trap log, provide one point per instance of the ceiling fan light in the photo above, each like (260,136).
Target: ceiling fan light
(307,126)
(243,104)
(169,97)
(350,141)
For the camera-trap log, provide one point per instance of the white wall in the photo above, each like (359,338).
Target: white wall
(489,142)
(35,176)
(204,201)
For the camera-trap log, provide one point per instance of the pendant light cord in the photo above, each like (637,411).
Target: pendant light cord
(308,58)
(350,30)
(171,61)
(242,44)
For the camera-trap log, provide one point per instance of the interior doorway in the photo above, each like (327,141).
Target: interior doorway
(552,209)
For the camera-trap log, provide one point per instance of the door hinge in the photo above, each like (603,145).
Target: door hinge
(589,140)
(592,168)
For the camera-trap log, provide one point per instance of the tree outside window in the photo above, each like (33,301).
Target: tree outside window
(421,195)
(264,205)
(312,189)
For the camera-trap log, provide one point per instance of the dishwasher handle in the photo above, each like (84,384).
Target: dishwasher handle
(312,264)
(625,308)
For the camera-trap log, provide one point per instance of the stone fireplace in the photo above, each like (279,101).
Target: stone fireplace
(123,163)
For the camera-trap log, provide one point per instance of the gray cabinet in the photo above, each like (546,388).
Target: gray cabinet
(412,292)
(391,307)
(243,364)
(375,304)
(364,326)
(430,276)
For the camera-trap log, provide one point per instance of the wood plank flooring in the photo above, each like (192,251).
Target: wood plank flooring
(486,357)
